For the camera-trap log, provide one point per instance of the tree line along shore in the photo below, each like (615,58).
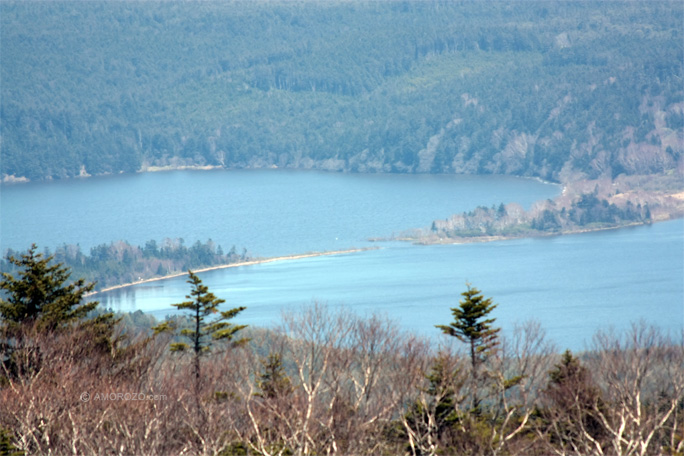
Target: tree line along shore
(120,264)
(246,262)
(583,206)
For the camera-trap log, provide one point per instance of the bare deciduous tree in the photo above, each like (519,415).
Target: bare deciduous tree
(348,378)
(435,410)
(517,372)
(568,425)
(642,377)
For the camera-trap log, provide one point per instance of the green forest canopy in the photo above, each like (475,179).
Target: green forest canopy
(549,89)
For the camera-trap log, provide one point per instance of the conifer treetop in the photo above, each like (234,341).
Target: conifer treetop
(471,325)
(209,323)
(42,293)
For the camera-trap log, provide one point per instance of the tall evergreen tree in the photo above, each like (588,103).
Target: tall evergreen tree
(471,326)
(42,294)
(207,326)
(42,298)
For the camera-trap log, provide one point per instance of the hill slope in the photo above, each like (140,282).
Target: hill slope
(561,90)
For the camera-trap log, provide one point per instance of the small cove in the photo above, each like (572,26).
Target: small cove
(269,212)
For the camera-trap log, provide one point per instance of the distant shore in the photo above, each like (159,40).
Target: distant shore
(239,264)
(156,169)
(435,240)
(432,239)
(662,194)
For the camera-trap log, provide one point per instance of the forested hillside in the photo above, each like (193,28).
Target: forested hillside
(557,90)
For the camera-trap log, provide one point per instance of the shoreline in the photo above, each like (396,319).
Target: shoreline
(237,265)
(430,240)
(158,169)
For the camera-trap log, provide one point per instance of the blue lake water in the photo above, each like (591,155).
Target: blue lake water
(572,284)
(270,212)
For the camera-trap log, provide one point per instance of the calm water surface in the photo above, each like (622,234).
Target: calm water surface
(270,212)
(571,284)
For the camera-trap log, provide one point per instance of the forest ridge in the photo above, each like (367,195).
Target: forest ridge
(561,91)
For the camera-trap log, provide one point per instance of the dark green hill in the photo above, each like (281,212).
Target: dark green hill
(556,90)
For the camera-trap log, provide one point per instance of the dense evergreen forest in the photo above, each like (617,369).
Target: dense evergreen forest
(556,90)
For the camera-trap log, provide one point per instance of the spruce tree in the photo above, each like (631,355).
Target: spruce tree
(573,398)
(42,294)
(7,447)
(273,380)
(209,324)
(471,326)
(42,298)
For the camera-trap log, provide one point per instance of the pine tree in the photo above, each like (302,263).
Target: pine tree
(573,397)
(43,299)
(571,386)
(7,447)
(431,420)
(471,326)
(207,326)
(273,380)
(41,294)
(443,389)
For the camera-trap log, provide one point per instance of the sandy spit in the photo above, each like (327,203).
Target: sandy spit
(243,263)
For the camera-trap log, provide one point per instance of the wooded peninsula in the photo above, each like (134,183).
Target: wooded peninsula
(626,201)
(584,94)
